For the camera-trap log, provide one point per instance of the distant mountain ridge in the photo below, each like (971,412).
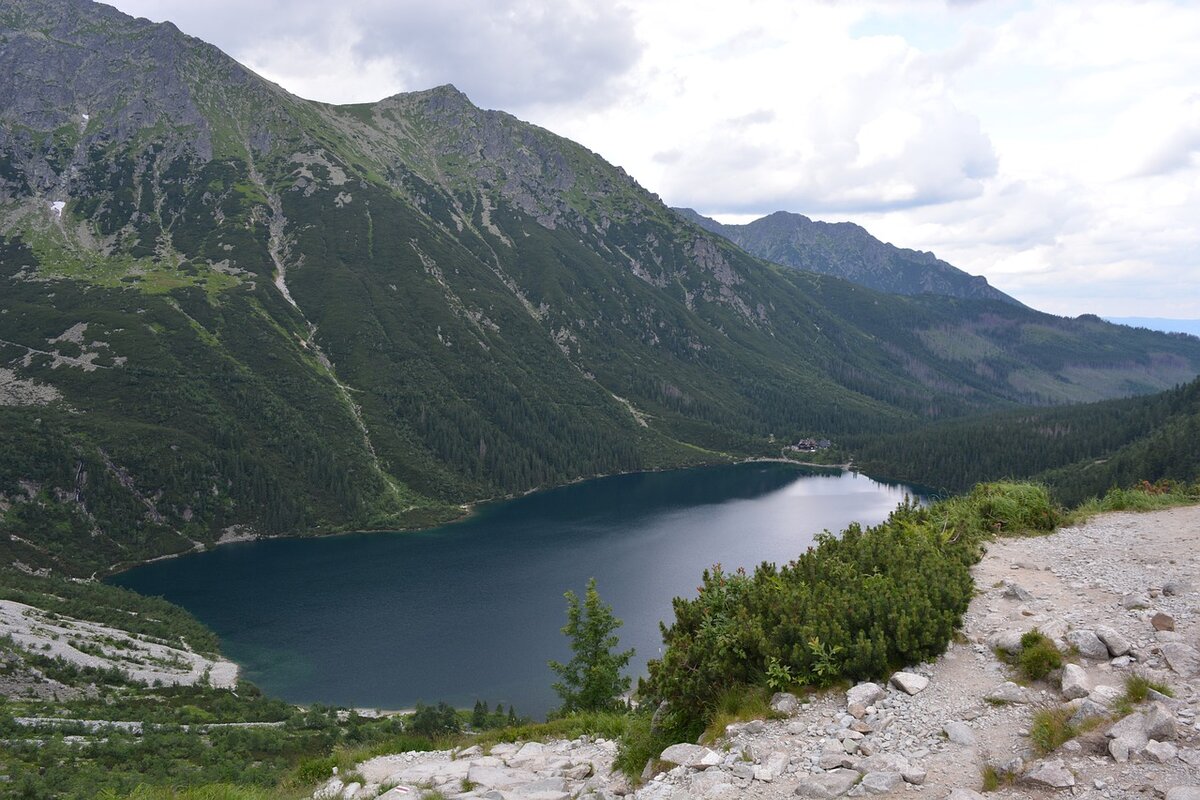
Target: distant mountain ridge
(846,250)
(226,310)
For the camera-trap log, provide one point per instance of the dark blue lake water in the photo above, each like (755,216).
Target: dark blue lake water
(473,610)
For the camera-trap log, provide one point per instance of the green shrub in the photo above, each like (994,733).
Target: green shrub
(1038,656)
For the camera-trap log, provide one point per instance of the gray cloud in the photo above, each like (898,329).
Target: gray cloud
(505,53)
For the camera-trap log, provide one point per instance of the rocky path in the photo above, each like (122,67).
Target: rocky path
(1119,593)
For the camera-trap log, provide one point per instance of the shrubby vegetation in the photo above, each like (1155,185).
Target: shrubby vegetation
(852,608)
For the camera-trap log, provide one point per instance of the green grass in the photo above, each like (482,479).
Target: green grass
(1051,727)
(738,704)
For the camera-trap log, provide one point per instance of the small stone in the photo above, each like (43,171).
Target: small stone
(1163,622)
(914,776)
(1132,602)
(1015,591)
(1174,588)
(1006,641)
(959,733)
(964,794)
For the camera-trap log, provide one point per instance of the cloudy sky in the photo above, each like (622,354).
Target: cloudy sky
(1051,145)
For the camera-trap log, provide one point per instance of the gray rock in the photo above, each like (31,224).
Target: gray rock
(1105,695)
(1163,622)
(864,694)
(964,794)
(1117,644)
(692,756)
(881,782)
(914,776)
(1008,692)
(1015,591)
(1088,644)
(834,756)
(1010,768)
(784,703)
(743,769)
(1191,792)
(1176,587)
(1088,709)
(1053,774)
(959,733)
(1006,641)
(884,762)
(827,786)
(1132,602)
(909,682)
(1162,752)
(1075,683)
(1182,658)
(1159,722)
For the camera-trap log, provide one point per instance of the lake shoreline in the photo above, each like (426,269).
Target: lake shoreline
(469,510)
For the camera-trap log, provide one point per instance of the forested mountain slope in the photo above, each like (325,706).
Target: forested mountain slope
(1080,451)
(846,250)
(225,309)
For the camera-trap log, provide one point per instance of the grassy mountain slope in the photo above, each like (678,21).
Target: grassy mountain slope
(225,309)
(845,250)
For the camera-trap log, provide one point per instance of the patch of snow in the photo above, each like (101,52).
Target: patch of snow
(57,207)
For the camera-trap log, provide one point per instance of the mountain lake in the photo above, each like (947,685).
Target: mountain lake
(474,610)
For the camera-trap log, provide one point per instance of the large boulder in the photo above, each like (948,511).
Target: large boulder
(1053,774)
(827,786)
(1117,644)
(1088,644)
(909,682)
(864,694)
(1008,692)
(1075,683)
(785,703)
(881,782)
(692,756)
(959,733)
(1183,659)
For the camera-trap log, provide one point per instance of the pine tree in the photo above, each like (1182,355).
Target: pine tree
(591,680)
